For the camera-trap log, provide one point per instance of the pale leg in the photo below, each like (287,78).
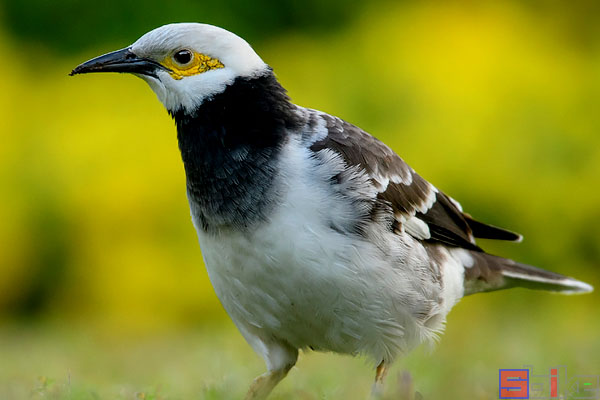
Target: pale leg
(380,372)
(280,358)
(264,384)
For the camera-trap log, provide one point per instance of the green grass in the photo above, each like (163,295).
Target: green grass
(484,333)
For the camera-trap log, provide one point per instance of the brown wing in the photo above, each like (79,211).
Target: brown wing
(429,215)
(402,189)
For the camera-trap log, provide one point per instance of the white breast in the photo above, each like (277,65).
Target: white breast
(297,279)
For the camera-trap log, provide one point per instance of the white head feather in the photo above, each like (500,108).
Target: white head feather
(238,58)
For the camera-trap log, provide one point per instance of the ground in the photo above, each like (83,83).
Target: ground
(89,361)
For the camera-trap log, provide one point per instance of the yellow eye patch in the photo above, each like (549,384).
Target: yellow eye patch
(200,63)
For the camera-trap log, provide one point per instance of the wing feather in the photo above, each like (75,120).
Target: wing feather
(402,189)
(410,204)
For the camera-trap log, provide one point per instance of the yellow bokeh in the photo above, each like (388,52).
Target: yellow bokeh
(491,102)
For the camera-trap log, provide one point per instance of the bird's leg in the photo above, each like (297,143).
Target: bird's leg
(264,384)
(280,358)
(380,373)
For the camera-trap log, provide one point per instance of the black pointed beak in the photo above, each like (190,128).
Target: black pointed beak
(123,60)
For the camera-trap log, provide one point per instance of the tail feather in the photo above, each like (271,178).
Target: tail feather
(488,273)
(522,275)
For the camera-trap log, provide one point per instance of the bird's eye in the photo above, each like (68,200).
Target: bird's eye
(183,57)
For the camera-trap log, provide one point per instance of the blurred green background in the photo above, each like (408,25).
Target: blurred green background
(103,293)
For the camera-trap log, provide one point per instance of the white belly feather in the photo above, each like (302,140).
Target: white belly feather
(297,280)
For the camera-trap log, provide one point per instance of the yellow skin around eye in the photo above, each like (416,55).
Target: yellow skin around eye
(199,64)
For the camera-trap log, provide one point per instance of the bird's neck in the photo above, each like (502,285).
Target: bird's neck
(230,148)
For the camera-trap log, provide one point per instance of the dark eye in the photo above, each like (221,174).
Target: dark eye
(183,56)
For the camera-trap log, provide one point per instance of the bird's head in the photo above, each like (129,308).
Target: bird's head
(183,63)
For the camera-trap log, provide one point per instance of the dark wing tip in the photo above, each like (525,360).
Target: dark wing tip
(486,231)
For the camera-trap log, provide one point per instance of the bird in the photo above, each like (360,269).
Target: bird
(315,234)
